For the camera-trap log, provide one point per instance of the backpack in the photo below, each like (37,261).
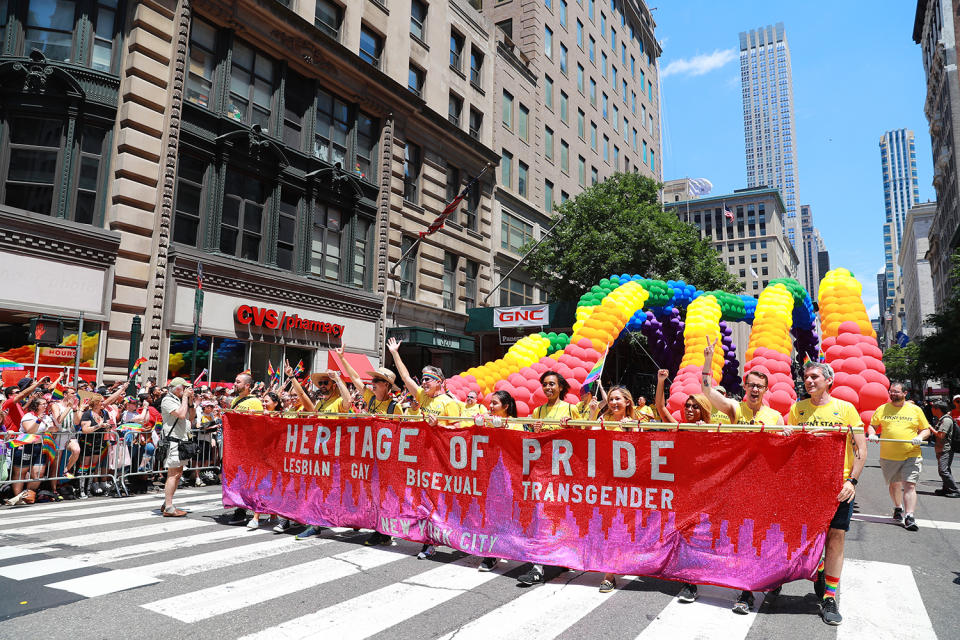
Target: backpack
(954,434)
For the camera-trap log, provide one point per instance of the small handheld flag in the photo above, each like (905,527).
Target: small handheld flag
(58,391)
(298,370)
(595,373)
(136,367)
(24,439)
(200,377)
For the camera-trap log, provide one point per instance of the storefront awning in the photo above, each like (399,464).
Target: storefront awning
(358,361)
(431,338)
(562,315)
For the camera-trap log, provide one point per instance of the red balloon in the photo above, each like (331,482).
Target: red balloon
(848,339)
(538,398)
(760,352)
(522,394)
(501,385)
(872,395)
(575,387)
(528,372)
(846,393)
(548,362)
(539,368)
(855,381)
(778,366)
(762,369)
(853,365)
(523,409)
(872,375)
(591,354)
(575,351)
(786,387)
(840,378)
(871,349)
(579,373)
(851,351)
(848,327)
(875,364)
(780,401)
(516,379)
(827,343)
(834,352)
(866,416)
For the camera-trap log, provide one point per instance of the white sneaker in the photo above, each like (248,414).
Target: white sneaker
(253,524)
(427,551)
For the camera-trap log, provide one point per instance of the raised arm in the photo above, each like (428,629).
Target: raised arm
(719,402)
(305,400)
(351,372)
(394,346)
(116,395)
(661,403)
(345,399)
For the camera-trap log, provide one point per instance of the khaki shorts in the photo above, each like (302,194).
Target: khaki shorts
(173,456)
(901,470)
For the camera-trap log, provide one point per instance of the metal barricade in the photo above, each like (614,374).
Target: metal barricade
(48,463)
(145,466)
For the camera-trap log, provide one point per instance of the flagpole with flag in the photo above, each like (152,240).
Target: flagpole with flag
(197,315)
(435,226)
(727,213)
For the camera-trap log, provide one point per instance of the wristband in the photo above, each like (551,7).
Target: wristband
(852,481)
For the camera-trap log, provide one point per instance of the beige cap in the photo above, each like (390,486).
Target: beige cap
(385,374)
(178,382)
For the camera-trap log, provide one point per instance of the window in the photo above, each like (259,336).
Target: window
(371,46)
(603,64)
(633,102)
(590,8)
(412,163)
(476,66)
(580,78)
(514,232)
(547,42)
(476,123)
(581,171)
(580,34)
(297,102)
(514,292)
(613,78)
(203,40)
(287,227)
(603,25)
(418,19)
(506,168)
(328,18)
(522,171)
(594,176)
(606,148)
(241,225)
(564,107)
(581,124)
(251,86)
(453,183)
(564,156)
(548,143)
(415,80)
(368,134)
(593,50)
(653,163)
(616,158)
(624,91)
(547,196)
(450,281)
(616,119)
(604,104)
(332,129)
(645,161)
(593,135)
(186,220)
(455,109)
(563,13)
(593,92)
(470,289)
(456,50)
(523,122)
(633,66)
(472,210)
(408,270)
(50,27)
(563,59)
(507,109)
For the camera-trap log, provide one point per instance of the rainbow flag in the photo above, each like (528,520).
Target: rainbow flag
(297,370)
(136,366)
(49,448)
(134,426)
(58,392)
(271,373)
(245,372)
(23,439)
(594,375)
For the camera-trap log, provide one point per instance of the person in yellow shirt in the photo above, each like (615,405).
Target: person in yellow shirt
(696,408)
(821,409)
(334,397)
(378,400)
(644,412)
(471,408)
(555,388)
(751,409)
(900,461)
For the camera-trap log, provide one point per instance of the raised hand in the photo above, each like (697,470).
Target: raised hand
(662,375)
(708,350)
(394,345)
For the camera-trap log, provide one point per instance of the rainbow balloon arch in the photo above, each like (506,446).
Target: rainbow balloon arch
(677,319)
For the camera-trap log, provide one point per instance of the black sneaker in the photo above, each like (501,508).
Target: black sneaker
(534,576)
(772,596)
(488,564)
(830,613)
(373,540)
(688,593)
(744,603)
(820,585)
(910,523)
(898,514)
(239,517)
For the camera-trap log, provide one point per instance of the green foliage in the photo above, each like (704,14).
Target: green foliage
(905,364)
(940,350)
(618,226)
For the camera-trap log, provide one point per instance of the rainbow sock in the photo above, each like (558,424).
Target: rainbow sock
(831,588)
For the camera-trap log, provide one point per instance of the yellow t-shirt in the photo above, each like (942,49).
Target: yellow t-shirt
(834,413)
(247,403)
(899,423)
(765,416)
(333,405)
(380,406)
(644,413)
(470,412)
(440,405)
(558,411)
(719,417)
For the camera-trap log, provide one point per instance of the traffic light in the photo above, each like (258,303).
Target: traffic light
(46,331)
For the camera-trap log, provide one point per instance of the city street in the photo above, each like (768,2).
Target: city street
(112,568)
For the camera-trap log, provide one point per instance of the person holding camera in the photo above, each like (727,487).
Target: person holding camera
(177,410)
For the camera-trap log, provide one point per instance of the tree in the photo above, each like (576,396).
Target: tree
(618,226)
(940,350)
(905,364)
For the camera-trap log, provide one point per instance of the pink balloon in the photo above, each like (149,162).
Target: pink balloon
(846,393)
(761,352)
(575,387)
(866,416)
(538,398)
(579,373)
(851,351)
(584,343)
(515,379)
(522,394)
(855,381)
(548,362)
(872,375)
(786,387)
(501,385)
(873,394)
(848,339)
(874,363)
(827,343)
(780,401)
(531,385)
(539,368)
(528,372)
(591,354)
(840,378)
(872,350)
(572,399)
(848,327)
(853,365)
(834,352)
(523,409)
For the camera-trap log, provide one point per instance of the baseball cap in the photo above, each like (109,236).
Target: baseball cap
(23,383)
(178,382)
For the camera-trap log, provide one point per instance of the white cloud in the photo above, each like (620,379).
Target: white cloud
(699,64)
(873,311)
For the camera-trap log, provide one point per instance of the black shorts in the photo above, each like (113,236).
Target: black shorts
(28,455)
(841,519)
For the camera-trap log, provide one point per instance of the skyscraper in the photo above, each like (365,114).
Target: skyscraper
(812,246)
(898,159)
(766,80)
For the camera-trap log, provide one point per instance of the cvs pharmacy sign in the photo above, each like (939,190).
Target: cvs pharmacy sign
(537,315)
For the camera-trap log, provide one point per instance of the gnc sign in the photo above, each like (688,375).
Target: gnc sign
(537,315)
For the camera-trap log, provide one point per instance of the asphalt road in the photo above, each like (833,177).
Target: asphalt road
(112,568)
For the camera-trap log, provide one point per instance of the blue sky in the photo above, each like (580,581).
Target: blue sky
(856,74)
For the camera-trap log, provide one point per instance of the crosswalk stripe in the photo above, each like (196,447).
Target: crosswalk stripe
(48,527)
(213,601)
(167,525)
(94,502)
(114,507)
(49,566)
(884,603)
(540,614)
(923,523)
(15,552)
(373,612)
(708,618)
(92,585)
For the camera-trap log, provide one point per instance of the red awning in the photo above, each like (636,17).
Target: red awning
(358,361)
